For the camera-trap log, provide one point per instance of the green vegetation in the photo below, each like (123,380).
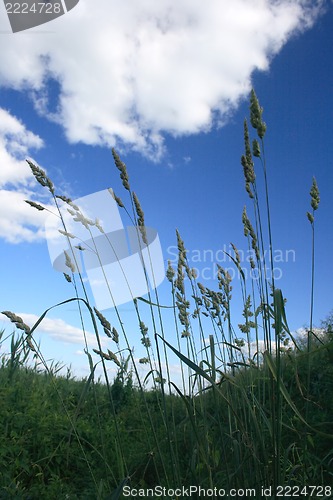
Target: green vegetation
(253,407)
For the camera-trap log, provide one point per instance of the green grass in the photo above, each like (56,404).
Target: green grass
(223,436)
(237,418)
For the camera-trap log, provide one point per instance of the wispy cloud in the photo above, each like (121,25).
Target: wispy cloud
(129,71)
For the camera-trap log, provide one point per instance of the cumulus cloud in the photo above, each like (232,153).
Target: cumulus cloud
(18,221)
(127,72)
(15,143)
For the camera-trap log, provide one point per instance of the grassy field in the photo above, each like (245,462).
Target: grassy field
(254,407)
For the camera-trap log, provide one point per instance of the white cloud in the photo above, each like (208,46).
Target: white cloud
(15,143)
(58,330)
(18,221)
(129,71)
(302,333)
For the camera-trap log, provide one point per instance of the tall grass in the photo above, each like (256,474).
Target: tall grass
(244,411)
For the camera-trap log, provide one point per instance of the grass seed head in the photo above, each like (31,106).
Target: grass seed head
(102,354)
(114,358)
(35,205)
(256,115)
(143,328)
(141,219)
(97,224)
(115,335)
(122,168)
(236,252)
(145,341)
(17,320)
(69,262)
(116,198)
(41,176)
(65,233)
(193,273)
(245,222)
(170,274)
(104,322)
(30,344)
(79,217)
(250,175)
(256,148)
(310,217)
(67,277)
(107,333)
(179,282)
(314,193)
(247,162)
(67,200)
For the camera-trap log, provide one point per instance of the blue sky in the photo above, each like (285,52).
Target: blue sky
(168,87)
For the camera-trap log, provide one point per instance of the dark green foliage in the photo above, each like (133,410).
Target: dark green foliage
(55,442)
